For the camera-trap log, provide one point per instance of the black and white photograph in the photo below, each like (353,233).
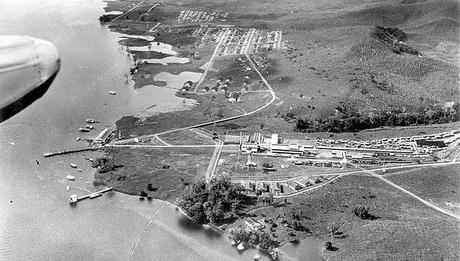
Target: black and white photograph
(230,130)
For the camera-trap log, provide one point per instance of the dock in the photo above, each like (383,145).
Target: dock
(61,152)
(74,199)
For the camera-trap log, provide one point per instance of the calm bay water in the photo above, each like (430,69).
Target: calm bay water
(36,221)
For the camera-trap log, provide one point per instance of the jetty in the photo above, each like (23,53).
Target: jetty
(74,199)
(61,152)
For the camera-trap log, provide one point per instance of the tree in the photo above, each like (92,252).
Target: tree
(267,165)
(265,240)
(363,212)
(328,245)
(334,228)
(213,202)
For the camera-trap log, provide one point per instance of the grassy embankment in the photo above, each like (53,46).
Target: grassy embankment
(404,230)
(443,189)
(169,170)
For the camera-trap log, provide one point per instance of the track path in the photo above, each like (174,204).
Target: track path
(372,173)
(128,11)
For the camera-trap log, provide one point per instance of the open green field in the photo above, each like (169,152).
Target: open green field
(438,185)
(207,109)
(169,170)
(404,230)
(185,137)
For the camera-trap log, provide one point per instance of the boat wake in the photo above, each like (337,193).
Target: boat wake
(147,228)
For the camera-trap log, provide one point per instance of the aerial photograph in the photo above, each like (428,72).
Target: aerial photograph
(311,130)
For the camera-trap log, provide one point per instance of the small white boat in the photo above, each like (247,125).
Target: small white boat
(70,177)
(78,138)
(233,242)
(83,129)
(79,170)
(89,126)
(240,247)
(112,92)
(67,188)
(73,165)
(89,120)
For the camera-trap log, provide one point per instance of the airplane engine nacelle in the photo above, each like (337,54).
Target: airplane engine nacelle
(28,66)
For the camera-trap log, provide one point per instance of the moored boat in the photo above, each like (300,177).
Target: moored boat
(70,177)
(89,120)
(73,165)
(83,129)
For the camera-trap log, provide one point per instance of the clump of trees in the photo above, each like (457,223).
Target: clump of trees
(394,37)
(328,246)
(363,212)
(104,164)
(259,238)
(107,18)
(216,202)
(350,120)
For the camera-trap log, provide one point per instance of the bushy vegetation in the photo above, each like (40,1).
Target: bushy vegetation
(104,164)
(394,37)
(107,18)
(216,202)
(259,238)
(350,120)
(363,212)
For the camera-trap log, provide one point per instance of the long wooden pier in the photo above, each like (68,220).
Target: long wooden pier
(61,152)
(91,195)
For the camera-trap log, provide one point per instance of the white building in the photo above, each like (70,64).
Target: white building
(103,137)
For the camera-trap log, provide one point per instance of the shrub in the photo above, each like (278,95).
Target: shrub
(363,212)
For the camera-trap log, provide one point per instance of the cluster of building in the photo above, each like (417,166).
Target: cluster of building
(279,188)
(187,86)
(428,144)
(335,153)
(103,137)
(206,34)
(241,40)
(258,143)
(188,16)
(266,41)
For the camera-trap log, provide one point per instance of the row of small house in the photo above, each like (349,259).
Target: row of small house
(438,140)
(256,188)
(199,16)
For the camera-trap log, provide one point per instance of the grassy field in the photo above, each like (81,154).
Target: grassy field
(438,185)
(207,109)
(404,230)
(168,170)
(185,137)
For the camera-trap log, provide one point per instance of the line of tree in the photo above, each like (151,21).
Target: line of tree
(259,238)
(217,202)
(350,120)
